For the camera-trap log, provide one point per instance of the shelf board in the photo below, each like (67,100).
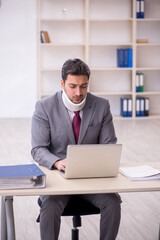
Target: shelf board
(110,44)
(111,93)
(46,94)
(148,44)
(148,117)
(95,93)
(148,93)
(111,69)
(147,19)
(61,44)
(118,117)
(148,68)
(49,69)
(110,20)
(62,19)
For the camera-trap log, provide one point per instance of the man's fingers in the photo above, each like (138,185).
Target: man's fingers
(62,165)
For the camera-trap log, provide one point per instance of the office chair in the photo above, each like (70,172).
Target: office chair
(76,208)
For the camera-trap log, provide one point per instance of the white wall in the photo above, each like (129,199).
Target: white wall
(18,66)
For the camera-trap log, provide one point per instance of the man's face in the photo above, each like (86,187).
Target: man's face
(75,87)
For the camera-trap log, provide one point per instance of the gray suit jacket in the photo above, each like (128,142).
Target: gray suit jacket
(52,128)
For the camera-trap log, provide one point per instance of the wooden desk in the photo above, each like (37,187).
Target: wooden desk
(57,185)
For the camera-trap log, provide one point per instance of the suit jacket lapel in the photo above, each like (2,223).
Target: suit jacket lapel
(87,114)
(64,118)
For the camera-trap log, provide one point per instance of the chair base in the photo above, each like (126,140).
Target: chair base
(75,234)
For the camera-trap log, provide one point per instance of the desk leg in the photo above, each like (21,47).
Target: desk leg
(3,220)
(7,219)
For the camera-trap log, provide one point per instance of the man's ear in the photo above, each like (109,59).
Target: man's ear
(62,84)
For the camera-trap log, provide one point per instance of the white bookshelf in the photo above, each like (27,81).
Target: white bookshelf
(93,30)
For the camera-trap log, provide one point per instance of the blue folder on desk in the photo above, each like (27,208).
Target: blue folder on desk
(21,176)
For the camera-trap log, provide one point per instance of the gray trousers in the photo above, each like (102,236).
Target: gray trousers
(53,206)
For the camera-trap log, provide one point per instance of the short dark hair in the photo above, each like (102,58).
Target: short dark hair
(75,67)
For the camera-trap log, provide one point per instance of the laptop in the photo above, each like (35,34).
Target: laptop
(92,161)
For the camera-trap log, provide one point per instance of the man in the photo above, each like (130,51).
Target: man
(52,132)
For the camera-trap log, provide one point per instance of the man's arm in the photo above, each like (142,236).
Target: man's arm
(41,138)
(107,133)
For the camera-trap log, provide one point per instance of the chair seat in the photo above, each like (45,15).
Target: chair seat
(78,206)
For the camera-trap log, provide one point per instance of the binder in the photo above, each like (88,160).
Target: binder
(129,106)
(124,57)
(138,8)
(141,82)
(21,176)
(138,107)
(141,8)
(42,37)
(124,107)
(137,82)
(142,102)
(120,57)
(146,107)
(129,57)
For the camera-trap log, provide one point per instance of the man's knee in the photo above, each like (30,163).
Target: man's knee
(53,203)
(112,202)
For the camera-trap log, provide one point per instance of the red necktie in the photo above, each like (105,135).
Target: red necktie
(76,125)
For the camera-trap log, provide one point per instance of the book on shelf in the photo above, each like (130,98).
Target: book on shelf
(126,107)
(124,57)
(44,37)
(142,41)
(142,106)
(140,173)
(140,8)
(21,176)
(139,82)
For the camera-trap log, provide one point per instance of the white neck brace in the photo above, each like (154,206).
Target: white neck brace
(70,105)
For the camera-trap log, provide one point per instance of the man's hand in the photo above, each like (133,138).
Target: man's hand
(60,165)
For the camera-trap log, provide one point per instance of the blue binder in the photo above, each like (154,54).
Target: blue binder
(124,107)
(120,57)
(138,114)
(141,8)
(130,57)
(21,176)
(142,107)
(129,107)
(125,55)
(138,8)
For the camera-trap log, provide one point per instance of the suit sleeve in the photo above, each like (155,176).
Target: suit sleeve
(107,132)
(41,139)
